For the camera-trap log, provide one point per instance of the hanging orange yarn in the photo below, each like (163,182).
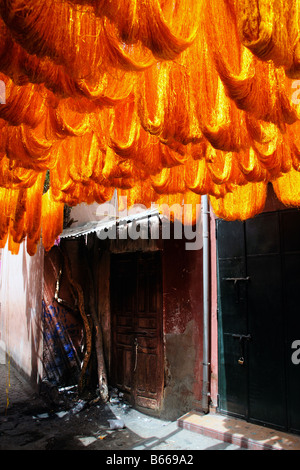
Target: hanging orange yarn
(34,214)
(241,203)
(165,100)
(52,219)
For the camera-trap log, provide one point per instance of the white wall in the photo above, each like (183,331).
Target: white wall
(21,284)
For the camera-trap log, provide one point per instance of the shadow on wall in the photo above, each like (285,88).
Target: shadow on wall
(33,285)
(62,325)
(60,358)
(21,300)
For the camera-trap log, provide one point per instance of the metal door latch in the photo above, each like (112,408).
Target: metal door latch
(241,339)
(235,281)
(136,353)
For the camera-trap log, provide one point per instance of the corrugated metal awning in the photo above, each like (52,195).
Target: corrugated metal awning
(102,227)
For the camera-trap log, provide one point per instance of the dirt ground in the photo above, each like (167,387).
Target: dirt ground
(56,419)
(78,425)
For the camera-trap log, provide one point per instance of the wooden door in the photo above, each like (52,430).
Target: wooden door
(137,348)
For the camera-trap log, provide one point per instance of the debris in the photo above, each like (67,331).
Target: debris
(116,423)
(70,389)
(41,416)
(86,440)
(61,414)
(78,407)
(50,392)
(125,406)
(114,400)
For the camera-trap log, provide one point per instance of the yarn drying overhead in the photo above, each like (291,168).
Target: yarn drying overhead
(161,100)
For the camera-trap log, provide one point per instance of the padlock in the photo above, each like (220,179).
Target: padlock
(241,361)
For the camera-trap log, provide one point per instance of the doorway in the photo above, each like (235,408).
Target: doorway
(137,346)
(259,318)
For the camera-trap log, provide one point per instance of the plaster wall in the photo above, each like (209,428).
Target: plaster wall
(183,312)
(21,287)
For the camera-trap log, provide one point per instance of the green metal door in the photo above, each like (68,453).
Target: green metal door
(233,318)
(259,319)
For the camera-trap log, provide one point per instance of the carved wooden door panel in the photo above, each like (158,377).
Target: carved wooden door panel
(137,348)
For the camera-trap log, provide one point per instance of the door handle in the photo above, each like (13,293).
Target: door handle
(136,344)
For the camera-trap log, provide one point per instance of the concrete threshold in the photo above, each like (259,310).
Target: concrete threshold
(236,431)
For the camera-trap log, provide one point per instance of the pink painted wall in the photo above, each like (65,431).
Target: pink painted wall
(213,310)
(21,283)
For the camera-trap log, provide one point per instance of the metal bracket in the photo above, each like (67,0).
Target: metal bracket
(235,281)
(240,337)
